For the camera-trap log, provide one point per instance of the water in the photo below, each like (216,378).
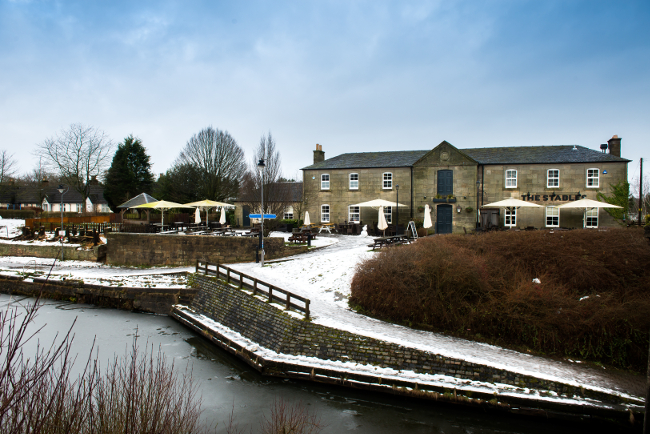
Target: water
(228,385)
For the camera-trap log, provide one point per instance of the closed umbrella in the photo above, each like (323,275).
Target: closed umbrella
(222,220)
(427,217)
(306,222)
(381,218)
(197,216)
(207,204)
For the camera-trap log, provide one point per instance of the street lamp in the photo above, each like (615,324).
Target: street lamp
(62,190)
(260,167)
(397,211)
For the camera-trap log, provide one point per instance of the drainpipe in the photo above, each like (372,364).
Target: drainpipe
(411,192)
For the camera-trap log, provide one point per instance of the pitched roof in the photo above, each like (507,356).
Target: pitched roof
(540,155)
(363,160)
(504,155)
(140,199)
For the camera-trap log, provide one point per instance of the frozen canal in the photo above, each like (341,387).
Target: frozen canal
(227,384)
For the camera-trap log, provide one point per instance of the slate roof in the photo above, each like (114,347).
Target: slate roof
(294,193)
(503,155)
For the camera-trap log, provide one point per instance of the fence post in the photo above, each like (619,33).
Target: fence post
(254,287)
(197,266)
(288,301)
(228,274)
(241,281)
(270,294)
(307,309)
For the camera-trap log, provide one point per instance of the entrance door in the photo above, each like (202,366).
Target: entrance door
(445,182)
(443,220)
(247,220)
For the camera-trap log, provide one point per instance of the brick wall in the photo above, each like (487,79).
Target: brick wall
(271,328)
(149,249)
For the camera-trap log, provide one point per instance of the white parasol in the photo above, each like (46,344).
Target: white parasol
(162,205)
(197,216)
(381,225)
(427,217)
(588,204)
(376,203)
(511,203)
(306,222)
(222,220)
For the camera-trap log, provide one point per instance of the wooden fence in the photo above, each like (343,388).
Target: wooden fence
(256,285)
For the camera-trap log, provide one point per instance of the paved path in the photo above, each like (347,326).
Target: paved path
(320,270)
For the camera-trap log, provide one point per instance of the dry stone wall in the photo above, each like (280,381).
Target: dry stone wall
(150,249)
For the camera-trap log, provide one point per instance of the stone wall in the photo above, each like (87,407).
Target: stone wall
(150,249)
(154,300)
(97,253)
(276,330)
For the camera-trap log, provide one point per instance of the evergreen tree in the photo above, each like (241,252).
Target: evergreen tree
(129,174)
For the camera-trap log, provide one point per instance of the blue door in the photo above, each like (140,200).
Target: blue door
(445,182)
(443,220)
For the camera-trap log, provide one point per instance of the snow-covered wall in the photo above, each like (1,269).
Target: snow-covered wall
(271,328)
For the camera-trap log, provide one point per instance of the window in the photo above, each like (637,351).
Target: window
(388,213)
(552,216)
(592,178)
(592,218)
(353,214)
(388,180)
(511,179)
(552,178)
(354,181)
(325,182)
(325,213)
(510,217)
(288,213)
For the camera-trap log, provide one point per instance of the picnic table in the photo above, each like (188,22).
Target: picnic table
(389,241)
(327,227)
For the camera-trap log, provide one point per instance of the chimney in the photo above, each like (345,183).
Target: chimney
(614,145)
(319,155)
(93,180)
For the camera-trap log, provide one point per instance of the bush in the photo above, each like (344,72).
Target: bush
(593,301)
(18,213)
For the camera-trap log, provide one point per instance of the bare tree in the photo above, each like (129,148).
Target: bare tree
(278,195)
(7,167)
(218,159)
(77,154)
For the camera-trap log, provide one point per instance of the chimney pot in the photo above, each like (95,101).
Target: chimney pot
(319,155)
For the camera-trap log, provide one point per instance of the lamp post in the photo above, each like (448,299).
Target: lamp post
(62,190)
(260,167)
(397,211)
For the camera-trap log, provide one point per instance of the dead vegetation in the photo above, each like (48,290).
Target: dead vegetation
(592,302)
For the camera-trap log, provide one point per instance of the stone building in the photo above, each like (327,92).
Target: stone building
(456,183)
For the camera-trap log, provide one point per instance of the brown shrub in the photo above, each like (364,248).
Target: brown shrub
(484,286)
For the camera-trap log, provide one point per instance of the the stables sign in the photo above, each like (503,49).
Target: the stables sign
(552,197)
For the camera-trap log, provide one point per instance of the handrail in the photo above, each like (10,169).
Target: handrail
(205,268)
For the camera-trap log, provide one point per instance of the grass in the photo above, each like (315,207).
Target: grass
(472,286)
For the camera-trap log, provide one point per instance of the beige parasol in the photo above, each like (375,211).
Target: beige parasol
(206,205)
(162,205)
(587,204)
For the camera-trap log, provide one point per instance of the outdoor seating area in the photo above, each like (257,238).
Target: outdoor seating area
(393,240)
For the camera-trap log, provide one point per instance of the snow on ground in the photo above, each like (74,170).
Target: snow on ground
(323,275)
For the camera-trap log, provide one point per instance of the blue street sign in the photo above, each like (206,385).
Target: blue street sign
(259,216)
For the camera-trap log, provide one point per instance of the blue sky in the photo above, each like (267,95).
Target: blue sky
(353,76)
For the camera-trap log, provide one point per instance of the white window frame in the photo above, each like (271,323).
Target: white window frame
(388,214)
(593,218)
(325,213)
(325,181)
(354,214)
(353,183)
(288,213)
(552,181)
(387,180)
(555,213)
(509,179)
(510,217)
(593,177)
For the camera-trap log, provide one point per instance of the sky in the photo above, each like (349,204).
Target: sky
(353,76)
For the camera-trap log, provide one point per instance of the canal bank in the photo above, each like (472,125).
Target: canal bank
(229,386)
(279,344)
